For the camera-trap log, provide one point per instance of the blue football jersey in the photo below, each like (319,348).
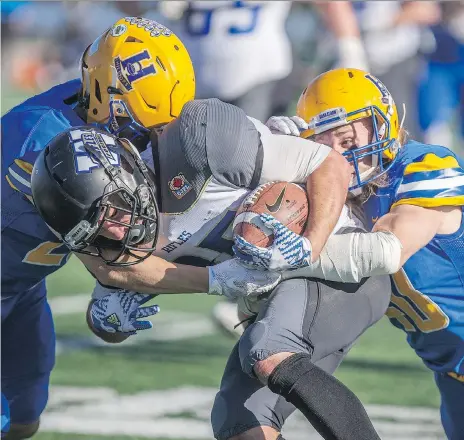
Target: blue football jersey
(30,251)
(428,292)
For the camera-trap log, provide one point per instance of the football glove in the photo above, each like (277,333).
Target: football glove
(120,311)
(233,280)
(288,250)
(286,125)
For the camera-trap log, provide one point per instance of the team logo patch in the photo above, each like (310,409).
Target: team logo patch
(118,30)
(179,186)
(83,161)
(113,319)
(153,27)
(133,68)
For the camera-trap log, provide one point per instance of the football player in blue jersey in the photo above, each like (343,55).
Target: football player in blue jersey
(162,69)
(412,196)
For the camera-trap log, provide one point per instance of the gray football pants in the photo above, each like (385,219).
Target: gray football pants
(319,317)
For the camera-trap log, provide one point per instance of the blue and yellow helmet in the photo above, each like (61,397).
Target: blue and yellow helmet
(341,96)
(136,75)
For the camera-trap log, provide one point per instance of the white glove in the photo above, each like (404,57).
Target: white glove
(100,291)
(293,125)
(121,310)
(288,250)
(234,280)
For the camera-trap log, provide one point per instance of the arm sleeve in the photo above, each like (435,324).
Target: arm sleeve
(288,158)
(351,256)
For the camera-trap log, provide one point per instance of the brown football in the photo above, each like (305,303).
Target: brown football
(111,338)
(287,202)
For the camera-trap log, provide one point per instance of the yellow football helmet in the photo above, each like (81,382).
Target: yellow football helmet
(137,75)
(341,96)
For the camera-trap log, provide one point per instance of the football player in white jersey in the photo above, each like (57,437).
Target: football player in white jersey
(205,162)
(240,49)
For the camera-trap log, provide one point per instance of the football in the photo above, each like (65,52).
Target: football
(110,338)
(287,202)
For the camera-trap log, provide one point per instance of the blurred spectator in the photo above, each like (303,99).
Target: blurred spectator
(240,49)
(394,35)
(44,41)
(441,84)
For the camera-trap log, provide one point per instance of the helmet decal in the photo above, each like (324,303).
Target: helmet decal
(118,30)
(83,161)
(133,68)
(156,29)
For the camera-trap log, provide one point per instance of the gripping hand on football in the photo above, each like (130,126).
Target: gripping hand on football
(293,125)
(120,311)
(288,251)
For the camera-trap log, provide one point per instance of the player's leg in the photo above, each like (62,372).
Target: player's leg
(245,409)
(452,404)
(28,356)
(303,322)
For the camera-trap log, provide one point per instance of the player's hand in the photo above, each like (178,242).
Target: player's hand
(233,280)
(288,251)
(286,125)
(120,311)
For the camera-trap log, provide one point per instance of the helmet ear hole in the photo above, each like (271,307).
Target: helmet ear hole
(97,91)
(131,39)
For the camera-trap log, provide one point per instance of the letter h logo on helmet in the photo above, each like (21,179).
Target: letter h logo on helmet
(131,69)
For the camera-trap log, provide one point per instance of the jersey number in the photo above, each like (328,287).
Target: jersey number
(243,19)
(215,247)
(43,254)
(413,310)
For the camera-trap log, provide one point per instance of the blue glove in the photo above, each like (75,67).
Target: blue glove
(120,311)
(288,251)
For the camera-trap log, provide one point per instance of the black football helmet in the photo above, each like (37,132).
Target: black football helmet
(85,176)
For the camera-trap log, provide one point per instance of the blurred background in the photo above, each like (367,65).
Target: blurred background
(259,55)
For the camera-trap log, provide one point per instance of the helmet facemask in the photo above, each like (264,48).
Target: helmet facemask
(119,201)
(376,150)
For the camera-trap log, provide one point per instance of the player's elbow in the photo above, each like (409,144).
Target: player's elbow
(339,167)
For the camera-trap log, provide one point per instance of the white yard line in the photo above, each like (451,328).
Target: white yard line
(154,414)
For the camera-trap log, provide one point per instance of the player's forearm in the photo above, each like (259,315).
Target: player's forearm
(153,275)
(342,22)
(327,189)
(339,18)
(353,256)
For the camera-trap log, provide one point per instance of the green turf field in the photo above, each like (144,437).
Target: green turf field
(160,385)
(380,369)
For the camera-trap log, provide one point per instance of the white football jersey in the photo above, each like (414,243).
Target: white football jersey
(201,236)
(236,45)
(208,160)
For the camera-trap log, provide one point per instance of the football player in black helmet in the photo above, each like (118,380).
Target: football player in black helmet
(96,193)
